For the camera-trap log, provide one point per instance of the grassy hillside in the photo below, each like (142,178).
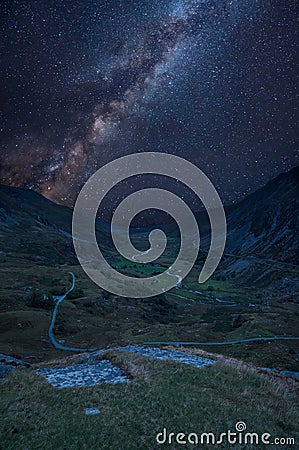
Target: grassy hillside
(160,394)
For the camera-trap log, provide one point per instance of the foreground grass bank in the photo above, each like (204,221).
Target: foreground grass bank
(34,415)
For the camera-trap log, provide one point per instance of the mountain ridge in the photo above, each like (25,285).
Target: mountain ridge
(263,224)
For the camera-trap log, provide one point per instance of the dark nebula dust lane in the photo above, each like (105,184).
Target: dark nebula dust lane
(85,82)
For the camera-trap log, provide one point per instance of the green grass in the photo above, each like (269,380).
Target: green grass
(93,322)
(162,394)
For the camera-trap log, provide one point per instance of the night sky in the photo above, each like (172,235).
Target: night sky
(84,82)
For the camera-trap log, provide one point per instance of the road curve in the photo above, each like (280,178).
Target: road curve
(51,335)
(238,341)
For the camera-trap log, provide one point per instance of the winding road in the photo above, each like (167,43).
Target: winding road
(51,335)
(177,343)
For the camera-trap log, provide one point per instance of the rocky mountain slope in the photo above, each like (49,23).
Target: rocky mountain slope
(266,223)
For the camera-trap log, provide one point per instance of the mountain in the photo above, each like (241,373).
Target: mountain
(18,205)
(33,227)
(263,225)
(266,223)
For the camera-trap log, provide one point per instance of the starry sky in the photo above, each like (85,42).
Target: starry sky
(84,82)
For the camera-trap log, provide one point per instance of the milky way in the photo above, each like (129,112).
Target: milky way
(84,82)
